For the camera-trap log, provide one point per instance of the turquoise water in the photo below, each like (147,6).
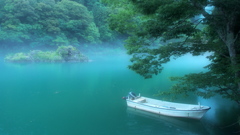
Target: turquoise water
(85,99)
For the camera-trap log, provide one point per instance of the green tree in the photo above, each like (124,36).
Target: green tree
(88,3)
(46,22)
(166,28)
(75,21)
(100,14)
(15,21)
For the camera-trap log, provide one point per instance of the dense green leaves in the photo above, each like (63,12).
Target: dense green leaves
(52,22)
(169,28)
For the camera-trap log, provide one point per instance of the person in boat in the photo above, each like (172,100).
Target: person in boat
(131,96)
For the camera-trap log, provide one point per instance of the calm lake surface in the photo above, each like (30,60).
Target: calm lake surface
(85,99)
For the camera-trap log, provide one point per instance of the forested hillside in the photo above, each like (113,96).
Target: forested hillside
(53,22)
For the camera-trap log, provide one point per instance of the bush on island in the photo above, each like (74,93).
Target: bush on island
(62,54)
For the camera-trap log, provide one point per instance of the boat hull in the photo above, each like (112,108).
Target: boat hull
(170,111)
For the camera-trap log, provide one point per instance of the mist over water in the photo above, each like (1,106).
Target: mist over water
(85,98)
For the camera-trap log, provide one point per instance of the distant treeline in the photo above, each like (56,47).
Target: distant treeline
(54,22)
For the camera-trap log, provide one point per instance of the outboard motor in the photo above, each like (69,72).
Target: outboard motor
(132,95)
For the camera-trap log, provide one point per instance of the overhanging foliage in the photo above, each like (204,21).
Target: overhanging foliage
(170,28)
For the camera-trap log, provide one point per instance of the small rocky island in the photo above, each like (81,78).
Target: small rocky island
(62,54)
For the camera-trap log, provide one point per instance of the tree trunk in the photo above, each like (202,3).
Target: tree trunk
(233,56)
(229,39)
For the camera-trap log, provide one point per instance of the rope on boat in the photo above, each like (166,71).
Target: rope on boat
(236,132)
(231,124)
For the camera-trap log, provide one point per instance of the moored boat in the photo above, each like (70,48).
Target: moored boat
(166,108)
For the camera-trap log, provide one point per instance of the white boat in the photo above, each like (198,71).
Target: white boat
(166,108)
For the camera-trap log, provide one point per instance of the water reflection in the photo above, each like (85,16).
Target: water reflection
(182,125)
